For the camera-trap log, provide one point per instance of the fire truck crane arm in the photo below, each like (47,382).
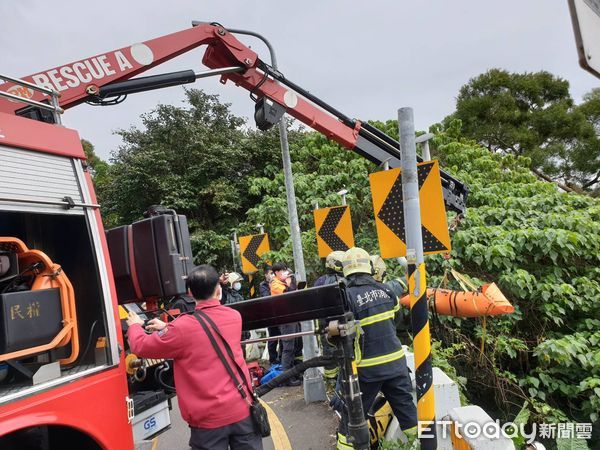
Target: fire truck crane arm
(109,75)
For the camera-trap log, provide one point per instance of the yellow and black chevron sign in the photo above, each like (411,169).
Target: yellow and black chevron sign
(419,317)
(386,190)
(334,229)
(252,248)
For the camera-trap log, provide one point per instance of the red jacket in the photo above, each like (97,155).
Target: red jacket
(207,396)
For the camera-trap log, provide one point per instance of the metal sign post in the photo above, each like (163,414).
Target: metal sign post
(417,287)
(314,386)
(234,248)
(424,139)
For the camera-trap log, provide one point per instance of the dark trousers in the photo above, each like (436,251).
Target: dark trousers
(274,354)
(237,436)
(397,391)
(289,346)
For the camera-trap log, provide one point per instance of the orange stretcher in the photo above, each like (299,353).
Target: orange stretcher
(51,276)
(487,300)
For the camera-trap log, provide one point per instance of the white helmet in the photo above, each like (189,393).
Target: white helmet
(334,261)
(233,277)
(356,260)
(379,267)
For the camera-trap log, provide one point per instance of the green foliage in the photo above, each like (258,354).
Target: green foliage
(571,444)
(533,115)
(411,443)
(321,168)
(195,159)
(542,247)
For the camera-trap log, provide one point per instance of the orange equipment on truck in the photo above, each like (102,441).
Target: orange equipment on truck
(49,294)
(47,201)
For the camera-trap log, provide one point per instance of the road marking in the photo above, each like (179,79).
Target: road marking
(278,434)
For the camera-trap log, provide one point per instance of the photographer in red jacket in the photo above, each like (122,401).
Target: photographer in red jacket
(218,416)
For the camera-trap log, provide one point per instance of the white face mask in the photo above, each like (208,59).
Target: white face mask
(237,286)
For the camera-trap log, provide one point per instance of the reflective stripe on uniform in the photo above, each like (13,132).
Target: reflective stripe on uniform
(342,443)
(379,317)
(382,359)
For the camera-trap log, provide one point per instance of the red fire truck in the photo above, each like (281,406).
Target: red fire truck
(66,380)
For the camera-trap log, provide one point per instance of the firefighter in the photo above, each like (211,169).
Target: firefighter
(379,356)
(333,269)
(397,286)
(379,268)
(333,274)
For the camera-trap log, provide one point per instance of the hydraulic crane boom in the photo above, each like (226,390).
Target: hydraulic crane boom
(110,75)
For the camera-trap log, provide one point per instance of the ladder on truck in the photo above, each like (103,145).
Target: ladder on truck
(22,94)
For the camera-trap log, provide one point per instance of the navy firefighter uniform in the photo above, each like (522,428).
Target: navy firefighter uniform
(379,357)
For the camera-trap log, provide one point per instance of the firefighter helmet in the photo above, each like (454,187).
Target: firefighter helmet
(334,261)
(233,277)
(356,260)
(379,267)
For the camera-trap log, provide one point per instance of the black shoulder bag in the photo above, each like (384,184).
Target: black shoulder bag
(257,411)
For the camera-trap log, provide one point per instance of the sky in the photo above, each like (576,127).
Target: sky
(367,59)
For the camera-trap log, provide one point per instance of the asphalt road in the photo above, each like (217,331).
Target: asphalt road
(294,424)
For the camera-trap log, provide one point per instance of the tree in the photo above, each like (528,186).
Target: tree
(533,115)
(99,169)
(321,168)
(587,162)
(542,247)
(196,160)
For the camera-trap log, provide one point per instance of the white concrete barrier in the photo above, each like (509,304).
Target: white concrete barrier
(448,408)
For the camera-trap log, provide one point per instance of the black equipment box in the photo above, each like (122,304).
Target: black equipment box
(296,306)
(29,319)
(145,400)
(151,257)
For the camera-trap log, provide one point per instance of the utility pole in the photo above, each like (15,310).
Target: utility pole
(417,288)
(343,194)
(314,386)
(234,250)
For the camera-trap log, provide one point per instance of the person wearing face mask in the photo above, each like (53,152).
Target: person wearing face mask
(231,294)
(264,290)
(280,284)
(231,289)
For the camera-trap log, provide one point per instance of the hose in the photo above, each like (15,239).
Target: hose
(319,361)
(158,376)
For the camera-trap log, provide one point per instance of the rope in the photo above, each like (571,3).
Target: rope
(467,285)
